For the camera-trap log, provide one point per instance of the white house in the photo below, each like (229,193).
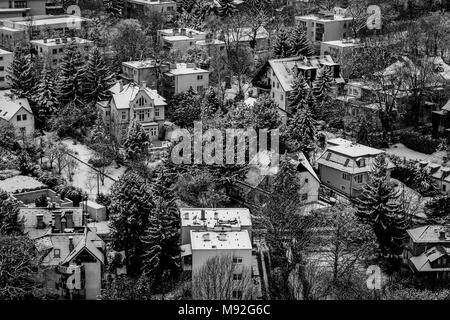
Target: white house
(183,76)
(17,112)
(180,39)
(6,58)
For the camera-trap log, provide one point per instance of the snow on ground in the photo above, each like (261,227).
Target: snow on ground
(402,151)
(86,178)
(20,182)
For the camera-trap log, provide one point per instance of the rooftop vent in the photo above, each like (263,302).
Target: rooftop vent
(222,237)
(206,237)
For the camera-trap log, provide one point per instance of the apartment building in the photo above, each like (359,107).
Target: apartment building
(180,39)
(340,50)
(345,166)
(135,8)
(133,102)
(427,253)
(16,30)
(183,76)
(147,71)
(52,50)
(17,112)
(22,8)
(277,75)
(325,26)
(6,58)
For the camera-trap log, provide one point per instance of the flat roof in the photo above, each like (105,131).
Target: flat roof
(48,20)
(149,63)
(191,216)
(343,43)
(323,18)
(185,68)
(52,42)
(5,52)
(210,240)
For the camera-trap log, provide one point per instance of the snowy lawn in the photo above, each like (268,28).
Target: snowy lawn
(86,178)
(404,152)
(20,182)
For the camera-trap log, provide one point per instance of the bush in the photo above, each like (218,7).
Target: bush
(41,202)
(53,181)
(72,193)
(418,142)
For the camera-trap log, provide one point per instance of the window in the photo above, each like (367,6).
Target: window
(306,180)
(56,253)
(148,113)
(141,115)
(444,187)
(24,117)
(361,162)
(2,68)
(153,132)
(342,187)
(124,115)
(278,85)
(1,58)
(237,294)
(273,84)
(200,77)
(55,51)
(199,88)
(359,178)
(273,94)
(19,117)
(237,260)
(156,112)
(345,176)
(2,79)
(304,196)
(237,276)
(346,162)
(328,155)
(282,97)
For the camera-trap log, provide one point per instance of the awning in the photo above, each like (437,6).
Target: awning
(185,250)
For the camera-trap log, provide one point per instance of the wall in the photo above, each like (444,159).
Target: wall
(27,124)
(184,82)
(333,178)
(199,257)
(5,62)
(93,274)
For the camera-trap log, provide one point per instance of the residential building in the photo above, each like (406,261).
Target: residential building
(136,8)
(211,46)
(277,75)
(147,71)
(427,253)
(21,8)
(180,39)
(183,76)
(133,102)
(6,58)
(52,50)
(325,26)
(344,167)
(16,111)
(16,30)
(440,120)
(340,50)
(258,40)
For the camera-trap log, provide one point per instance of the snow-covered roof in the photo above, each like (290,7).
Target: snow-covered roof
(428,234)
(343,43)
(423,262)
(149,63)
(59,41)
(122,98)
(210,240)
(185,68)
(9,105)
(237,216)
(321,18)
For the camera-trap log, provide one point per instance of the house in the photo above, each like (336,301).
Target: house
(16,30)
(427,253)
(147,71)
(208,233)
(210,46)
(184,76)
(277,75)
(52,50)
(180,39)
(133,102)
(440,120)
(344,167)
(22,8)
(340,50)
(325,26)
(6,58)
(256,188)
(257,39)
(136,8)
(16,111)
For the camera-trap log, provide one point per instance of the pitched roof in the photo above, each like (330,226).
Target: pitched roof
(122,98)
(9,105)
(428,234)
(423,262)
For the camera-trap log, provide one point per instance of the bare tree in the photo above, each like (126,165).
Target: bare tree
(222,279)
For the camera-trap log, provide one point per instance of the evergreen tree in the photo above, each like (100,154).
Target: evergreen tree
(299,43)
(45,97)
(227,8)
(114,7)
(264,114)
(380,208)
(130,209)
(300,134)
(298,94)
(362,136)
(161,259)
(10,224)
(21,74)
(98,78)
(185,108)
(71,76)
(137,142)
(281,46)
(322,85)
(210,104)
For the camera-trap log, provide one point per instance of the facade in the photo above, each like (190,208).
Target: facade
(16,30)
(17,112)
(133,102)
(325,26)
(180,39)
(259,39)
(183,76)
(277,75)
(52,50)
(210,46)
(344,167)
(6,58)
(427,253)
(340,50)
(143,71)
(22,8)
(134,8)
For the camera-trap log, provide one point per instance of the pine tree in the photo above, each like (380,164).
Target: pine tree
(45,97)
(281,46)
(300,133)
(210,104)
(299,43)
(98,78)
(21,74)
(298,94)
(362,135)
(10,223)
(131,206)
(71,76)
(114,7)
(137,142)
(264,114)
(161,258)
(379,207)
(322,85)
(227,8)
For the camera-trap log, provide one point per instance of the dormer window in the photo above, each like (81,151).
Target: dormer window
(361,162)
(328,155)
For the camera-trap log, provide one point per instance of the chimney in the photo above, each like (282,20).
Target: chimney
(442,234)
(216,215)
(63,223)
(183,31)
(45,40)
(186,215)
(174,31)
(143,85)
(206,237)
(121,85)
(40,221)
(58,40)
(71,245)
(69,219)
(202,216)
(57,220)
